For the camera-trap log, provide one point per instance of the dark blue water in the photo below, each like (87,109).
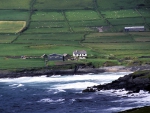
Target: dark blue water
(63,94)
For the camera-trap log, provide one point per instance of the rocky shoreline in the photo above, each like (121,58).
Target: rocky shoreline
(49,72)
(134,82)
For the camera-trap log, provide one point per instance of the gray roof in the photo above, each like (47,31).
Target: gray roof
(135,27)
(80,52)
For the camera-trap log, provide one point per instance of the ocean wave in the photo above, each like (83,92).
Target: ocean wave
(16,85)
(102,77)
(48,100)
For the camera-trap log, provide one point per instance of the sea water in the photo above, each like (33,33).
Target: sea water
(63,94)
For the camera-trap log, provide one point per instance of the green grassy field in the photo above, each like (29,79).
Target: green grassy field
(37,27)
(63,4)
(77,15)
(120,13)
(126,21)
(118,4)
(15,4)
(7,38)
(14,15)
(47,16)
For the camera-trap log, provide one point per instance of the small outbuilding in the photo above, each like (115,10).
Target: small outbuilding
(134,29)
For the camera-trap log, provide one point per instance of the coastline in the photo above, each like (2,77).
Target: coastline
(49,72)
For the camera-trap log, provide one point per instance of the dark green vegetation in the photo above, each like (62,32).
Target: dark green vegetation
(138,110)
(62,26)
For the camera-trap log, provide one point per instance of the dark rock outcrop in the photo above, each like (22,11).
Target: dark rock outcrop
(134,82)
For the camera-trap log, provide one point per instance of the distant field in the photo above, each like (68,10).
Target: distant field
(48,30)
(82,15)
(129,21)
(145,12)
(11,26)
(15,4)
(140,33)
(84,29)
(38,50)
(90,23)
(47,16)
(119,4)
(10,15)
(108,39)
(48,24)
(53,42)
(142,39)
(10,63)
(120,13)
(121,46)
(148,20)
(104,34)
(7,38)
(63,4)
(57,37)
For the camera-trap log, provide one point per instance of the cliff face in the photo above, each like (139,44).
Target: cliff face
(134,82)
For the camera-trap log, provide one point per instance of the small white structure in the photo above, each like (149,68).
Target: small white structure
(80,54)
(134,28)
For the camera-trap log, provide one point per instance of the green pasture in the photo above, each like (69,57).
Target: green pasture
(7,38)
(104,34)
(88,23)
(126,13)
(15,4)
(110,39)
(39,49)
(82,15)
(148,21)
(63,4)
(120,46)
(140,34)
(48,24)
(84,29)
(129,21)
(47,16)
(14,15)
(11,26)
(119,4)
(57,37)
(144,12)
(48,30)
(53,42)
(12,63)
(101,62)
(142,39)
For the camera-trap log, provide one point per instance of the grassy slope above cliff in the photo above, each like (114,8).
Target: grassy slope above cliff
(96,26)
(138,110)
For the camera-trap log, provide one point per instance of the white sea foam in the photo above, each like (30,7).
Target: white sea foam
(114,109)
(16,85)
(76,85)
(102,77)
(48,100)
(142,98)
(55,91)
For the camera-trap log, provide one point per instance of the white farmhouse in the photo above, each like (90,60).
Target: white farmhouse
(80,54)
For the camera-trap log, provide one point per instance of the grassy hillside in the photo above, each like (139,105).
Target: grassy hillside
(37,27)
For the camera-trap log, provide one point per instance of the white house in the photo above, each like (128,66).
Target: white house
(81,54)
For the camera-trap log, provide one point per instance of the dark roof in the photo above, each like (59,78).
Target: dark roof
(55,57)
